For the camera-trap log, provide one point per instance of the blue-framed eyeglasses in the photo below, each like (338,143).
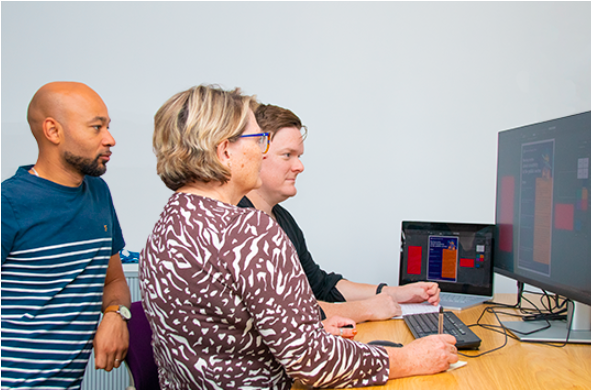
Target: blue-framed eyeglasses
(264,140)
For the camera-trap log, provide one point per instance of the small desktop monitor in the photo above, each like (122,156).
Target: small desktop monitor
(543,219)
(457,256)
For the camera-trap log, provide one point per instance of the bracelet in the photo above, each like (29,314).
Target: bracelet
(380,287)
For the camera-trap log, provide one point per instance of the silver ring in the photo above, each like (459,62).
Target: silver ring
(341,331)
(117,360)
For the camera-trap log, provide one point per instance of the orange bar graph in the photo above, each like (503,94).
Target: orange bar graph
(543,221)
(448,263)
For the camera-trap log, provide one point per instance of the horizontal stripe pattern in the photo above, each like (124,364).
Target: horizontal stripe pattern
(51,304)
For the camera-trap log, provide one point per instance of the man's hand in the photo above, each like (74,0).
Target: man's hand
(335,325)
(381,307)
(415,293)
(110,342)
(112,337)
(375,308)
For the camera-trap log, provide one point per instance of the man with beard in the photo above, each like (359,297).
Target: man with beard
(60,248)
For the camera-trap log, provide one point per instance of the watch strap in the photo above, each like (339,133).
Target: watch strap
(117,309)
(380,287)
(112,308)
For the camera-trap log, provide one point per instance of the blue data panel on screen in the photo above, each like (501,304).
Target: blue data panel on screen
(443,258)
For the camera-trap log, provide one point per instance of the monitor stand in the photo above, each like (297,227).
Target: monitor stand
(580,330)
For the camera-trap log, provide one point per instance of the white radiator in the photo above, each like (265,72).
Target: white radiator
(117,378)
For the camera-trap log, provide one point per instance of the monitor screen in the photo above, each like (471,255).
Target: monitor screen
(458,256)
(543,212)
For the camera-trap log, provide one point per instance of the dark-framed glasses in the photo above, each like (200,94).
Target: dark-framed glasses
(263,140)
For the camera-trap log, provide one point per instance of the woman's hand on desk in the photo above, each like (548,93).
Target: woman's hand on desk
(428,355)
(340,326)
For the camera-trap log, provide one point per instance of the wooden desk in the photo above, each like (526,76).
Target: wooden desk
(516,366)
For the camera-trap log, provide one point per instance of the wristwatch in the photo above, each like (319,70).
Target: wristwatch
(123,311)
(380,287)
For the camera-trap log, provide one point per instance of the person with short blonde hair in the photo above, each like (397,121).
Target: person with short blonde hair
(223,290)
(189,126)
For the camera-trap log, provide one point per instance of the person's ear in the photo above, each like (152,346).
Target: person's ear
(224,153)
(52,130)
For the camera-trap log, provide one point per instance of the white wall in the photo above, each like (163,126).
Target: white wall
(403,100)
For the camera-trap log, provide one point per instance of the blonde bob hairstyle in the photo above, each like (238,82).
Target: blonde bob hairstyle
(189,127)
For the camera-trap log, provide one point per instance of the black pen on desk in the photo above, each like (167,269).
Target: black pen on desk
(440,327)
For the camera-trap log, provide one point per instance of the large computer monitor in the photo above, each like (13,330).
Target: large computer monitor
(543,218)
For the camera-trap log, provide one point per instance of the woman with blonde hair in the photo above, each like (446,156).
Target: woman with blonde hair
(225,295)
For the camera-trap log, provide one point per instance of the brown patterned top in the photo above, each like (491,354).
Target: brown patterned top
(230,306)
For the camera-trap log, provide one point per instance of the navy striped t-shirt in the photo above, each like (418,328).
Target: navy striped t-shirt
(56,246)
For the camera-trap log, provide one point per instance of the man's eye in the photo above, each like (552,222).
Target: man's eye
(97,127)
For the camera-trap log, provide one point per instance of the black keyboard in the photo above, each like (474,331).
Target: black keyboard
(426,324)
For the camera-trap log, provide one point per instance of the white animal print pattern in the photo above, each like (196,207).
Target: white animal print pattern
(230,306)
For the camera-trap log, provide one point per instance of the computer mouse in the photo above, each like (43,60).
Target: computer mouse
(386,343)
